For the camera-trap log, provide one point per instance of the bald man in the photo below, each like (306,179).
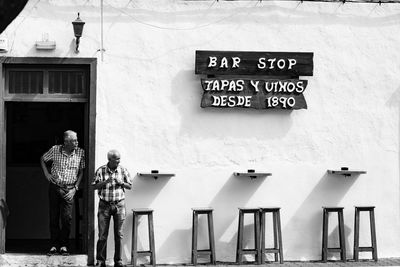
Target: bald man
(68,162)
(111,180)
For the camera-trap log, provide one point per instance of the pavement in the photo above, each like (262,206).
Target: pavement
(62,262)
(348,263)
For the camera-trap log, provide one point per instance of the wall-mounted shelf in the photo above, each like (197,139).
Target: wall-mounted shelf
(155,174)
(346,172)
(252,174)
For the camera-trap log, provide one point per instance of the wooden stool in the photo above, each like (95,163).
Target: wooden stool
(357,247)
(342,247)
(277,249)
(135,222)
(195,223)
(240,251)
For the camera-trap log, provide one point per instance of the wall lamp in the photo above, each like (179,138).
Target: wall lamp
(78,28)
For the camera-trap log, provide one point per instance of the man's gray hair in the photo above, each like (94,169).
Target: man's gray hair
(69,133)
(112,152)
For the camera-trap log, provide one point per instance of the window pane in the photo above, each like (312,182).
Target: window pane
(66,82)
(25,82)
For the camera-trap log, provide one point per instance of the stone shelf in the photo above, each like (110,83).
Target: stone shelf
(346,172)
(155,174)
(252,174)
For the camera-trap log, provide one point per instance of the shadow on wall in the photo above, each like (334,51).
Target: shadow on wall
(394,101)
(235,193)
(305,227)
(238,122)
(144,191)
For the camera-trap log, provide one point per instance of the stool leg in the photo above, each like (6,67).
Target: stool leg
(194,237)
(373,235)
(151,240)
(257,237)
(278,222)
(274,225)
(324,236)
(240,239)
(356,234)
(262,230)
(341,236)
(134,240)
(211,237)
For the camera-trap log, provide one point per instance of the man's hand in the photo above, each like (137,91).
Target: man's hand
(70,195)
(119,181)
(51,178)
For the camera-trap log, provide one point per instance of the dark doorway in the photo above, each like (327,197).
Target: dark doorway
(31,129)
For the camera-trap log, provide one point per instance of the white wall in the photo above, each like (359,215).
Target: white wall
(148,107)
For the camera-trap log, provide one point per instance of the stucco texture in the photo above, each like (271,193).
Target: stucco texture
(148,107)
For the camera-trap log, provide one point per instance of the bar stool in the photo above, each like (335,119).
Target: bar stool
(135,222)
(211,251)
(276,219)
(357,247)
(342,247)
(240,251)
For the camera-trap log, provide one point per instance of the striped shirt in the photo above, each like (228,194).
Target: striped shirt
(112,191)
(65,168)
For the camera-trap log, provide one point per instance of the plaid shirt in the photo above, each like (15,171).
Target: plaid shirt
(112,191)
(65,168)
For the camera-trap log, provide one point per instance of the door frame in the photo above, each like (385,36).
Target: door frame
(90,136)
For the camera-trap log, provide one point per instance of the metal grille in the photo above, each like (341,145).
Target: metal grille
(67,82)
(26,82)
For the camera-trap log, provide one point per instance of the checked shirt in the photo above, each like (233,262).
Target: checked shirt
(65,168)
(112,191)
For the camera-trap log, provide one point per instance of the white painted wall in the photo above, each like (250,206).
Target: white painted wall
(148,107)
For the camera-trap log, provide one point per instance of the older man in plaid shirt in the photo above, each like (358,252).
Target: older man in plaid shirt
(68,162)
(111,180)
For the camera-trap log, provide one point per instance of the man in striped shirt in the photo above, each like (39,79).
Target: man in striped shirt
(68,162)
(111,180)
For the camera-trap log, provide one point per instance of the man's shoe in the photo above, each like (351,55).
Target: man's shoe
(64,251)
(101,264)
(52,251)
(119,264)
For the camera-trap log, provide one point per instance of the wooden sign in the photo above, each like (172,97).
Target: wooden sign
(292,64)
(254,93)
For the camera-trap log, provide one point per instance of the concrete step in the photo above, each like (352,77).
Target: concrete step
(20,259)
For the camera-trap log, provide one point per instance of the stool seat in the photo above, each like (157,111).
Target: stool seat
(202,209)
(364,208)
(333,209)
(135,223)
(249,210)
(373,247)
(142,210)
(342,247)
(276,219)
(240,250)
(269,208)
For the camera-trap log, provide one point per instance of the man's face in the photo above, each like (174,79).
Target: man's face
(114,160)
(71,142)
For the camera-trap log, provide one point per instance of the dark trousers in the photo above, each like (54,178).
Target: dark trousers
(60,208)
(104,214)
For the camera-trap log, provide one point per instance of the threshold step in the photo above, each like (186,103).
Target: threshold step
(21,259)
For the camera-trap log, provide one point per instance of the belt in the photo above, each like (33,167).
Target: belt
(66,186)
(112,202)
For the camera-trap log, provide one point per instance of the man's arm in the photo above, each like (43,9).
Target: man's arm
(126,185)
(102,183)
(126,181)
(78,181)
(46,173)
